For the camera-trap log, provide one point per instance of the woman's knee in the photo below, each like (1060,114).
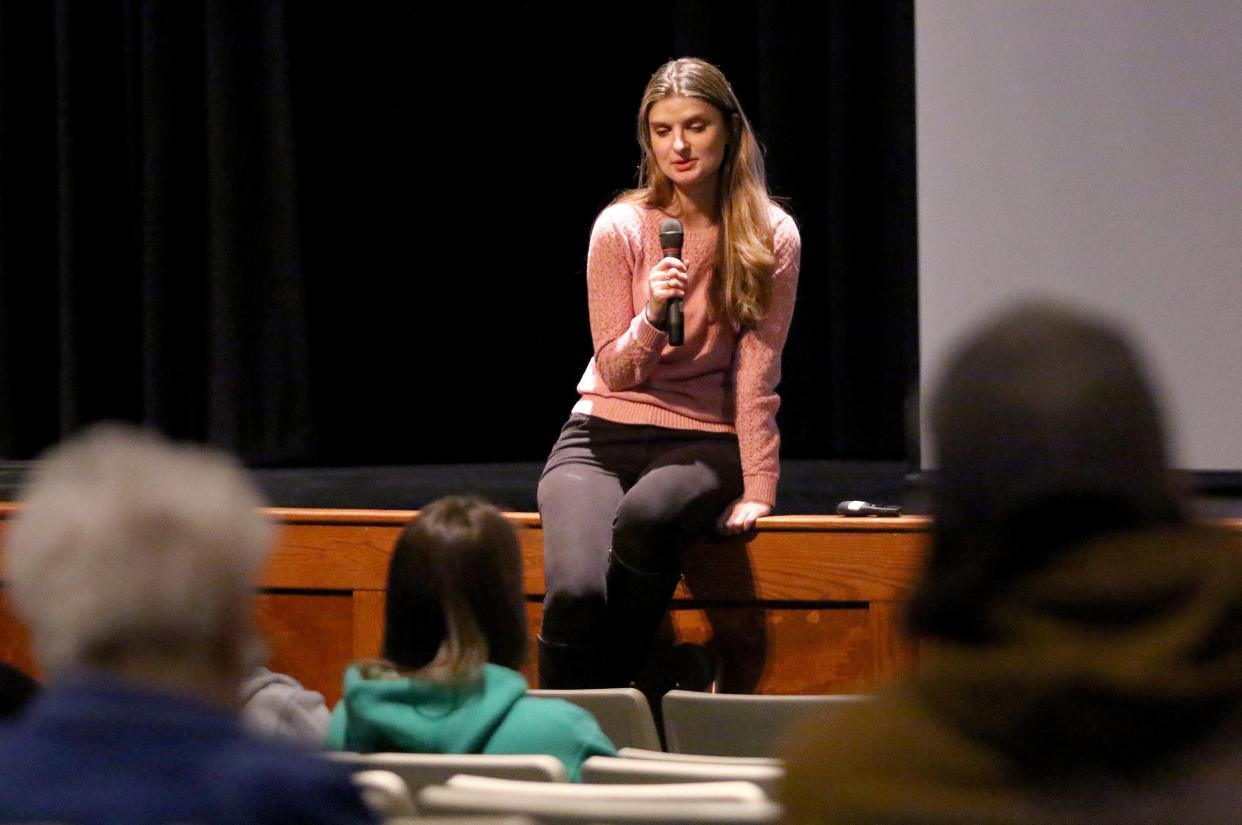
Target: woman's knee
(645,535)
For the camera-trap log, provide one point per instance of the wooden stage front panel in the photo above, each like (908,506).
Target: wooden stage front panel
(806,605)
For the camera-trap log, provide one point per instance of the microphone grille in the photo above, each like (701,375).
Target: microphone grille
(670,226)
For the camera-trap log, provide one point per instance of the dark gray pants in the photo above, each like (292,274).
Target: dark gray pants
(643,493)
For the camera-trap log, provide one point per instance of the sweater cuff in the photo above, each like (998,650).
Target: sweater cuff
(649,336)
(760,488)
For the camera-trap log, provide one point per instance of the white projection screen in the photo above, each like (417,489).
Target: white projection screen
(1090,151)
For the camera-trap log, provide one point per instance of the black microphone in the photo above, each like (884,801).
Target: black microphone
(862,508)
(671,237)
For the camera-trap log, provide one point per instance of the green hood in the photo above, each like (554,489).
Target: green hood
(416,716)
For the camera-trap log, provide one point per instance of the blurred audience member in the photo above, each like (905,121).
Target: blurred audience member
(276,705)
(131,562)
(1080,644)
(17,688)
(454,635)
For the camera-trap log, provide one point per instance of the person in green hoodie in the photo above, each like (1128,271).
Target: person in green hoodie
(1080,638)
(454,635)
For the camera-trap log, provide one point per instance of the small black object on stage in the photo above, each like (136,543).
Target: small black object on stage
(862,508)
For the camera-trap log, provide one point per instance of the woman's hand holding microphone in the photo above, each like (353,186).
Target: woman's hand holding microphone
(665,281)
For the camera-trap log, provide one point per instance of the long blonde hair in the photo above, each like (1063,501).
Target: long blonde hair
(741,290)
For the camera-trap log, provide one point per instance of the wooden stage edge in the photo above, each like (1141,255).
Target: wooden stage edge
(806,604)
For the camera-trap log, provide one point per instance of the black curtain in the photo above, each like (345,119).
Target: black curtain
(323,234)
(150,261)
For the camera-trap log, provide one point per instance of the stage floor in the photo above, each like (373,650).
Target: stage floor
(806,488)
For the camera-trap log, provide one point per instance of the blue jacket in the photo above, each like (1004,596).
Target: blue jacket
(97,752)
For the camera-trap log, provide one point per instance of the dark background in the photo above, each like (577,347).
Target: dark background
(354,234)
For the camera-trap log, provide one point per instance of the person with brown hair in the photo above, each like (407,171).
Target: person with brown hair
(454,636)
(667,440)
(1080,652)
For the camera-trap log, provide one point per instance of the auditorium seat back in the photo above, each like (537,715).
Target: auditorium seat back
(623,713)
(725,803)
(698,758)
(385,793)
(709,791)
(726,724)
(422,769)
(622,770)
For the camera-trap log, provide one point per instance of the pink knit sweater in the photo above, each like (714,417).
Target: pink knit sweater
(720,379)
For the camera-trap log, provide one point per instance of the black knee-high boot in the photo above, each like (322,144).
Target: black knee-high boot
(568,666)
(637,602)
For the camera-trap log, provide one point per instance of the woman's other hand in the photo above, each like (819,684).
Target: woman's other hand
(740,516)
(666,280)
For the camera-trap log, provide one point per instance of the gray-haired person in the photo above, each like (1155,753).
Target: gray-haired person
(131,562)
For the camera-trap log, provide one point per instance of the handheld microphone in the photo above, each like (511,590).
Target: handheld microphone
(671,238)
(862,508)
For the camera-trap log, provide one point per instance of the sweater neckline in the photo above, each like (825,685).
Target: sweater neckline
(659,215)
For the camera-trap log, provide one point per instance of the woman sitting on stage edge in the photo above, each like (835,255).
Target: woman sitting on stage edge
(454,636)
(669,438)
